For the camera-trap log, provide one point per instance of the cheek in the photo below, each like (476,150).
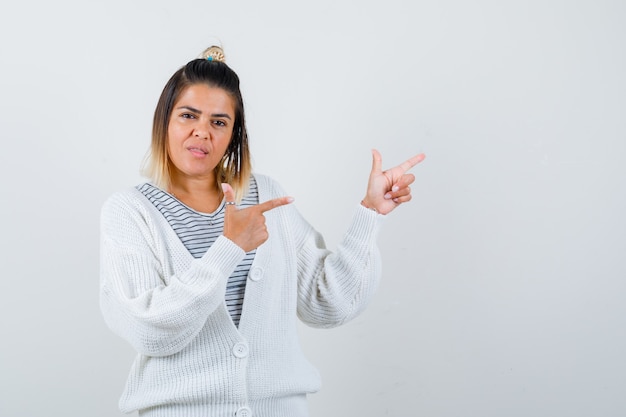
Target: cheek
(228,137)
(171,148)
(174,138)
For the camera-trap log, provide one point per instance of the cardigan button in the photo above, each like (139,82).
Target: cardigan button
(256,274)
(243,412)
(240,350)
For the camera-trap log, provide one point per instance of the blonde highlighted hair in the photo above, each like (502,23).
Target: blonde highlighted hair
(235,167)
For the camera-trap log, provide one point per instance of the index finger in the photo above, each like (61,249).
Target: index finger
(411,162)
(272,204)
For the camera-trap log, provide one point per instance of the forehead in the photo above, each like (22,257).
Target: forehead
(204,97)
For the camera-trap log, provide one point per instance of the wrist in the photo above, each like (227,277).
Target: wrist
(368,206)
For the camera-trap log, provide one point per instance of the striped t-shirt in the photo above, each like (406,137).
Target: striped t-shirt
(198,231)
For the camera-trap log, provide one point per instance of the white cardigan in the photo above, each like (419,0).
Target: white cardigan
(192,360)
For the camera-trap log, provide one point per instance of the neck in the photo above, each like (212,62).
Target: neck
(203,195)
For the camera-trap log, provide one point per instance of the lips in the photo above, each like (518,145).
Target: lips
(198,150)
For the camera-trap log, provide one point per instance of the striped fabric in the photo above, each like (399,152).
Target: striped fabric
(198,231)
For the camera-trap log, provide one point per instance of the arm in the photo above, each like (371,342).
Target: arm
(152,296)
(336,287)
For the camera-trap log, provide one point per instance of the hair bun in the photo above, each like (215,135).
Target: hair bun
(213,53)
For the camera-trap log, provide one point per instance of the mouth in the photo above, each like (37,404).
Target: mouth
(198,150)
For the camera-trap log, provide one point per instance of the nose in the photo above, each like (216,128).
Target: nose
(201,132)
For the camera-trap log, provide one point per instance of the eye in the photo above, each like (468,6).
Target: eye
(220,123)
(188,116)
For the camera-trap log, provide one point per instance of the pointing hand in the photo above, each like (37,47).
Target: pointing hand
(387,189)
(246,227)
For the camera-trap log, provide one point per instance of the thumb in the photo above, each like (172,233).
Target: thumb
(377,162)
(229,194)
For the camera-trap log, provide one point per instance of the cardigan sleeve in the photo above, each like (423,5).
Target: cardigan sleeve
(157,311)
(335,287)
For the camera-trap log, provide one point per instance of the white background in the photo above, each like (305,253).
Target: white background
(504,280)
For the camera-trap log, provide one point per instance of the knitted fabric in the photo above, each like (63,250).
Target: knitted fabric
(170,307)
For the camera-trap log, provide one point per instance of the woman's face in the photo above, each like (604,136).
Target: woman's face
(199,131)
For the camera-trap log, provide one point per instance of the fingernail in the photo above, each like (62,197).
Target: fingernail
(290,199)
(223,187)
(387,196)
(395,188)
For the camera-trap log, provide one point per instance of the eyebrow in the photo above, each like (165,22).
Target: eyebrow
(191,109)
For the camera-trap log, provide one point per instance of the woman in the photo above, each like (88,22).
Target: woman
(205,269)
